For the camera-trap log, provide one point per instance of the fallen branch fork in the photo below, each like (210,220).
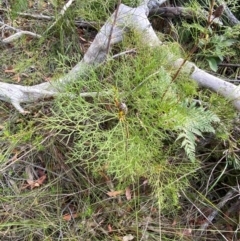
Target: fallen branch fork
(126,18)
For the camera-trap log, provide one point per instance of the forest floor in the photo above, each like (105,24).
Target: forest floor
(44,196)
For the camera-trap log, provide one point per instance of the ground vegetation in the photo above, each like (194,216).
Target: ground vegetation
(112,131)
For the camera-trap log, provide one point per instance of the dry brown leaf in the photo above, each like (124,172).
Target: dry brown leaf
(174,223)
(17,78)
(128,193)
(109,228)
(32,184)
(104,176)
(9,70)
(83,39)
(114,193)
(68,216)
(41,179)
(14,158)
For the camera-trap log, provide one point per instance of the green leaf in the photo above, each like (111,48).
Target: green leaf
(213,64)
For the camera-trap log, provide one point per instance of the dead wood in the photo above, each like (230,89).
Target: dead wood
(126,19)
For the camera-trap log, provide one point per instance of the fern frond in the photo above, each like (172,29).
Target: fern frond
(195,121)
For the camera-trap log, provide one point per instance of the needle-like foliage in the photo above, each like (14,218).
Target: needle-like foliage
(143,142)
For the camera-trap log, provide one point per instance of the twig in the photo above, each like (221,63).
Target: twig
(212,2)
(113,24)
(229,65)
(62,12)
(198,236)
(66,6)
(123,53)
(85,24)
(17,35)
(28,15)
(36,16)
(211,174)
(6,26)
(210,217)
(78,22)
(195,47)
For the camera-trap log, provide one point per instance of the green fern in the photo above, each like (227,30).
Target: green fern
(195,121)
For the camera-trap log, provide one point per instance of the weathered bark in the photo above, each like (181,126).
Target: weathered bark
(127,18)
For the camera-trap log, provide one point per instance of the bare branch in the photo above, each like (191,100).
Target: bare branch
(78,22)
(62,12)
(28,15)
(113,24)
(36,16)
(17,35)
(66,6)
(230,91)
(230,194)
(127,18)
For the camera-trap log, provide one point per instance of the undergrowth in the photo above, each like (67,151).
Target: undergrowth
(66,170)
(146,141)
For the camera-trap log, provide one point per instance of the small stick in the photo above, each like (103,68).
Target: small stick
(62,12)
(114,23)
(210,217)
(216,14)
(18,35)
